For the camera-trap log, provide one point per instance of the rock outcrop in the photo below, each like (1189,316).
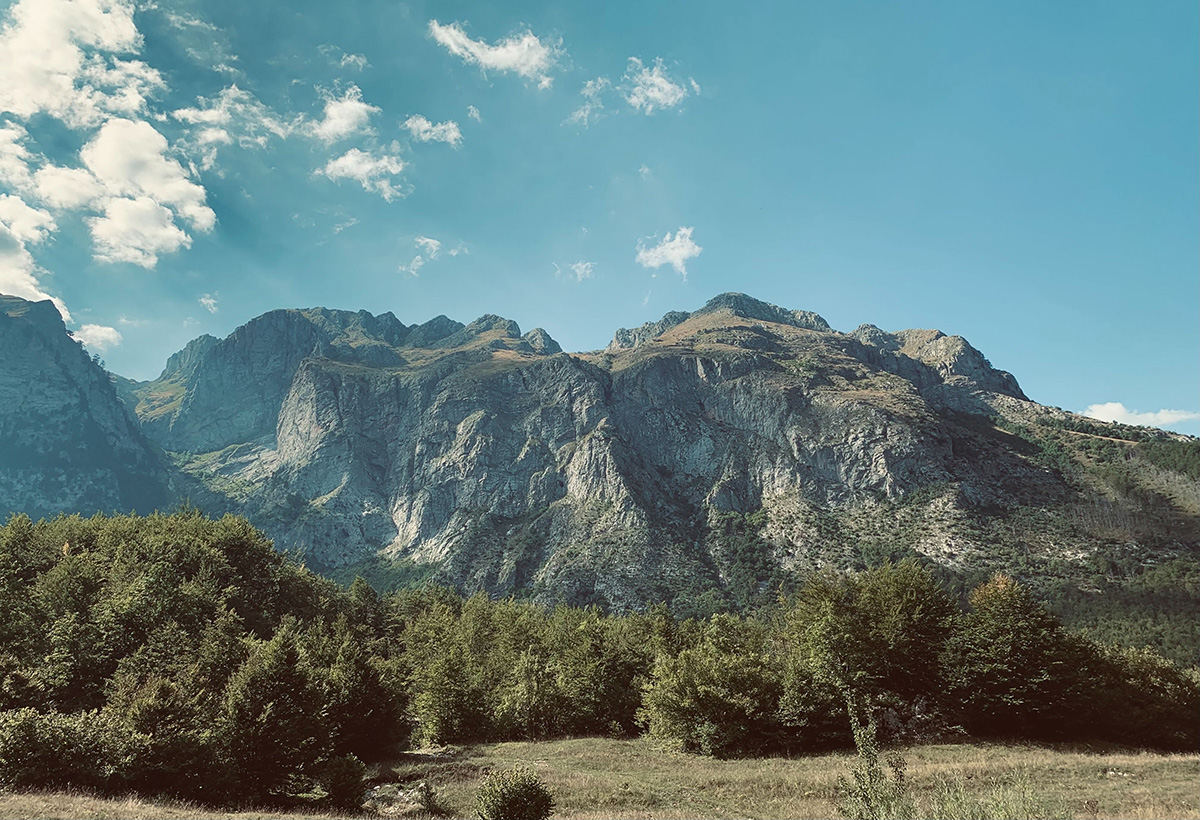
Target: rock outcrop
(495,461)
(67,442)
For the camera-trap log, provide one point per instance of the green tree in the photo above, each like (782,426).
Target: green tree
(273,725)
(1010,664)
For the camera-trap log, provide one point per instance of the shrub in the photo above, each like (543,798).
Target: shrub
(517,794)
(344,780)
(871,794)
(53,750)
(720,698)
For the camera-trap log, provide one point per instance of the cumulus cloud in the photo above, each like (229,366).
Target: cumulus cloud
(1116,411)
(647,88)
(135,230)
(473,113)
(209,302)
(26,223)
(130,160)
(19,272)
(423,130)
(57,57)
(14,156)
(22,225)
(673,250)
(592,104)
(66,188)
(98,337)
(344,116)
(523,54)
(582,270)
(373,171)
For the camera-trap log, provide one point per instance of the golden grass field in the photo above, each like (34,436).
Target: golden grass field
(606,778)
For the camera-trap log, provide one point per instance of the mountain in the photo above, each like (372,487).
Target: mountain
(67,442)
(702,459)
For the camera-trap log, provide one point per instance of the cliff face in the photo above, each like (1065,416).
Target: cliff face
(507,464)
(711,450)
(67,443)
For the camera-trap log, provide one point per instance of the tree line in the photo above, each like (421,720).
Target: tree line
(178,655)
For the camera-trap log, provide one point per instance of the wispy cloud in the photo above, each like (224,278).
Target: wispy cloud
(524,53)
(1118,412)
(673,250)
(647,88)
(592,105)
(473,113)
(423,130)
(578,271)
(428,245)
(374,172)
(209,302)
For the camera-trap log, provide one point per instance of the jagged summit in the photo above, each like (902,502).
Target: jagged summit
(736,304)
(500,463)
(739,304)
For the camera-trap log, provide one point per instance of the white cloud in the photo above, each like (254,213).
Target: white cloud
(98,337)
(592,104)
(56,57)
(459,248)
(341,226)
(344,116)
(233,115)
(644,172)
(14,156)
(209,302)
(373,172)
(1116,411)
(26,223)
(521,53)
(429,246)
(414,266)
(355,61)
(66,188)
(129,160)
(423,130)
(647,88)
(136,230)
(582,270)
(672,250)
(19,273)
(473,113)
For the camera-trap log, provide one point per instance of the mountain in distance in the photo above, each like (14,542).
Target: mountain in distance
(67,442)
(708,456)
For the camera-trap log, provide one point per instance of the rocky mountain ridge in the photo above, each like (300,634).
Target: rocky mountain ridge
(709,453)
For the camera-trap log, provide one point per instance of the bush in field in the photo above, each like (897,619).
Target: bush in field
(720,698)
(344,779)
(272,720)
(516,794)
(1012,667)
(53,750)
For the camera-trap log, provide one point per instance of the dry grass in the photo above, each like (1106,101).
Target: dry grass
(605,778)
(67,806)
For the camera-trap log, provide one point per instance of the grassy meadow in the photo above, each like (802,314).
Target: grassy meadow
(608,778)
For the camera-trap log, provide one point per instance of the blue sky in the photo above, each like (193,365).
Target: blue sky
(1023,174)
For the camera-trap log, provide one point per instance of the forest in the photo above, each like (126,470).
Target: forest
(181,656)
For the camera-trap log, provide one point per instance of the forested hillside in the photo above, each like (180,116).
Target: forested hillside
(174,654)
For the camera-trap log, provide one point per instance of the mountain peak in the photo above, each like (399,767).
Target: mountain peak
(739,304)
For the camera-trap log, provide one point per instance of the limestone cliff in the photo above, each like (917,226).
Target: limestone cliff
(67,443)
